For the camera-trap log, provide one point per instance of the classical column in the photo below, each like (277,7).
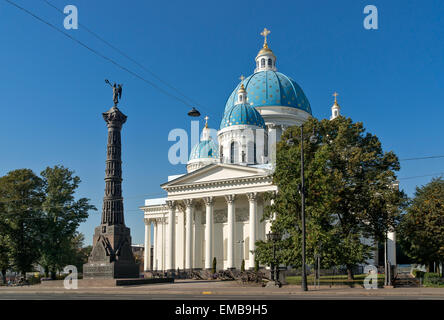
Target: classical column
(147,251)
(231,230)
(171,222)
(209,203)
(252,199)
(391,247)
(155,251)
(189,234)
(112,212)
(198,239)
(111,256)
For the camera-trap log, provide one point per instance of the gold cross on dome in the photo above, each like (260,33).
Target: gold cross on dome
(335,95)
(206,121)
(242,78)
(265,33)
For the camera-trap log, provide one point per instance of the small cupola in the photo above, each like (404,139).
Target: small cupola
(335,109)
(203,153)
(241,93)
(265,59)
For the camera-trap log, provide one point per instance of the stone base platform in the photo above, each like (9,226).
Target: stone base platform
(100,283)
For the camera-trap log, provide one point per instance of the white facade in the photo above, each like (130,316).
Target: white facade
(229,197)
(215,210)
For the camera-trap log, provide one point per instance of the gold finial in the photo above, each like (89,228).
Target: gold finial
(335,95)
(206,121)
(242,79)
(265,33)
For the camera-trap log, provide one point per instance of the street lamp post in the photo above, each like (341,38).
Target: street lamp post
(302,191)
(304,271)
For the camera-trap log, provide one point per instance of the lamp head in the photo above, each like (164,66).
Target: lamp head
(194,112)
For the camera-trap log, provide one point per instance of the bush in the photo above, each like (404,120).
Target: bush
(34,280)
(433,279)
(214,265)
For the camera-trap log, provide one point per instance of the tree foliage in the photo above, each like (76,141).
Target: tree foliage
(21,196)
(349,194)
(421,231)
(39,218)
(62,215)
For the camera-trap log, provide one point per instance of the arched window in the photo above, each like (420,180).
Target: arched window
(221,154)
(263,62)
(270,62)
(233,150)
(240,98)
(254,152)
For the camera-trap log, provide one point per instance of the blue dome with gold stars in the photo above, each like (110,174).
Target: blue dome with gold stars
(205,149)
(271,88)
(242,114)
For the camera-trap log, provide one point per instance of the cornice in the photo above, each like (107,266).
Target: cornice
(242,181)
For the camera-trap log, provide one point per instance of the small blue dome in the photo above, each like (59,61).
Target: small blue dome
(242,114)
(205,149)
(271,88)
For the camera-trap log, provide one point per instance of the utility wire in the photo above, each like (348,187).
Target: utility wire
(98,53)
(126,56)
(213,118)
(422,176)
(124,197)
(422,158)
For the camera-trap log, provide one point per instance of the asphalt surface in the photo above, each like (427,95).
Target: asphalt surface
(91,296)
(215,290)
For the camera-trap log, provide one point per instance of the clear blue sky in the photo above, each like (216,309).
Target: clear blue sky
(53,91)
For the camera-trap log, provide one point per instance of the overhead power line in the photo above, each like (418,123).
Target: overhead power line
(127,56)
(424,175)
(422,158)
(152,84)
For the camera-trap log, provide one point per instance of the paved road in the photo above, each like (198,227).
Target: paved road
(107,296)
(208,290)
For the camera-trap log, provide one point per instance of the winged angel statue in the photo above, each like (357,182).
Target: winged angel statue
(117,91)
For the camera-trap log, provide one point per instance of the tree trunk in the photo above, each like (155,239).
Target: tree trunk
(350,274)
(53,275)
(4,276)
(46,271)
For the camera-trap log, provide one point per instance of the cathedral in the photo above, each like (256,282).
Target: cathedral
(215,209)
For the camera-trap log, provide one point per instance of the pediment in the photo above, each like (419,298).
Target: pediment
(217,172)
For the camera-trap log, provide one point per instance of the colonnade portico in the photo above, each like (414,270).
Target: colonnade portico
(213,212)
(198,236)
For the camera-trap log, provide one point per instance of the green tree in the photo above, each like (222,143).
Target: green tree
(256,265)
(349,194)
(421,231)
(62,215)
(79,252)
(5,264)
(21,196)
(213,269)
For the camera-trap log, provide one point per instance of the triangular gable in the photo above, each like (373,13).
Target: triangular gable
(215,172)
